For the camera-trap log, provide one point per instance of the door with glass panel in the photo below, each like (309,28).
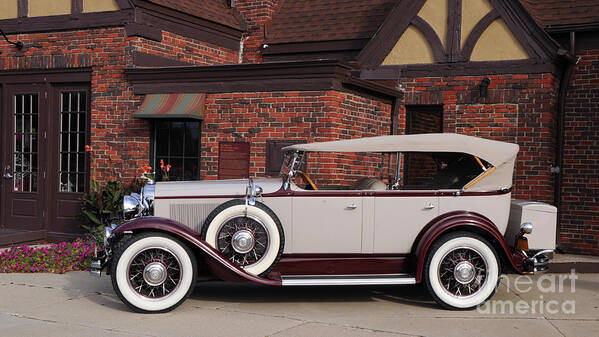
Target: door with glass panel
(24,162)
(69,160)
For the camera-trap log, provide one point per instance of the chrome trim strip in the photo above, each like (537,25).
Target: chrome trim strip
(350,280)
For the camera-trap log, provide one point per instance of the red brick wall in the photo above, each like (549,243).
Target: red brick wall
(520,108)
(257,14)
(185,49)
(580,199)
(303,116)
(120,142)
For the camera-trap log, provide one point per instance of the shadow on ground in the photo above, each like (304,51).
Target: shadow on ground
(253,293)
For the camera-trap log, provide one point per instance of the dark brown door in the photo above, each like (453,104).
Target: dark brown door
(45,167)
(69,163)
(24,164)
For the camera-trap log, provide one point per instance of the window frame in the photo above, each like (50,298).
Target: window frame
(153,160)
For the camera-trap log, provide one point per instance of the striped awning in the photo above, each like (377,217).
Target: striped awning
(172,106)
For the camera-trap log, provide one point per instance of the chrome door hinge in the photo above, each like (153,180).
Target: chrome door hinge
(45,95)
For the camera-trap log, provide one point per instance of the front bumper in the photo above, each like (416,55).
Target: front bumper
(99,261)
(102,257)
(536,261)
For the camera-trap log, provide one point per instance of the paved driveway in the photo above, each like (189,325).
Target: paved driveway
(76,304)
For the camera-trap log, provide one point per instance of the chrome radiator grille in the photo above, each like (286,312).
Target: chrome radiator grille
(191,215)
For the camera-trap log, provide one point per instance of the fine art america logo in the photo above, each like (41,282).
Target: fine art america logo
(538,304)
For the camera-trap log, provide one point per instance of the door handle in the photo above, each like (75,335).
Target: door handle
(429,206)
(7,175)
(351,206)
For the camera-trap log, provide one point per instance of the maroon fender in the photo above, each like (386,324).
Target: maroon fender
(446,222)
(222,267)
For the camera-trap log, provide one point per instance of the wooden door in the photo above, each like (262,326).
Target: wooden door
(24,164)
(69,162)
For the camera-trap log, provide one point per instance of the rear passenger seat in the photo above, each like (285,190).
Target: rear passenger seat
(370,184)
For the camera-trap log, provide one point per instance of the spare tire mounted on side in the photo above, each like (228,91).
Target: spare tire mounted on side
(250,236)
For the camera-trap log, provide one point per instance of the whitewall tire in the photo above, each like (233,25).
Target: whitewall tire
(153,272)
(251,237)
(461,270)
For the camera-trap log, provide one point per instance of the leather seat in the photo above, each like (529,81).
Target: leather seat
(370,184)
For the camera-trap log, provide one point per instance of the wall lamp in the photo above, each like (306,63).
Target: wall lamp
(17,44)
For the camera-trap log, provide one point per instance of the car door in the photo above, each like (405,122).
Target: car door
(399,217)
(327,222)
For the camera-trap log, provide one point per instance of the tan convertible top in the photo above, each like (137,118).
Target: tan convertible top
(494,152)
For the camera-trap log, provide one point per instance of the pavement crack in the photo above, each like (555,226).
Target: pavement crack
(37,319)
(288,328)
(555,327)
(303,321)
(30,317)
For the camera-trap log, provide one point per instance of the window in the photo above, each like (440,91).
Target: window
(25,142)
(443,170)
(421,168)
(73,125)
(274,155)
(177,143)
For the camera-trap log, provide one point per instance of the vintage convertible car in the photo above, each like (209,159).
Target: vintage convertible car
(454,228)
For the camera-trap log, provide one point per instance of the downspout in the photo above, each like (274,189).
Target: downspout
(571,62)
(241,43)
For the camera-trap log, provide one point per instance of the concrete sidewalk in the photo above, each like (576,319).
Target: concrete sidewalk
(76,304)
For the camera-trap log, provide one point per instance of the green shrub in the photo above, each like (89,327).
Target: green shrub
(103,205)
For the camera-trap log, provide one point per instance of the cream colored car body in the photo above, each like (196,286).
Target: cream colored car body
(375,225)
(357,223)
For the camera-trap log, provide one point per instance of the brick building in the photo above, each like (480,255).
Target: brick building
(188,81)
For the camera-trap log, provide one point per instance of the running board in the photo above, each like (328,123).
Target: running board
(347,280)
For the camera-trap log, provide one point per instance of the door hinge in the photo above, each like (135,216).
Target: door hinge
(45,95)
(45,135)
(44,174)
(43,214)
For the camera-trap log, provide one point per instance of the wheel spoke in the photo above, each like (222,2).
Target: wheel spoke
(242,240)
(462,271)
(154,273)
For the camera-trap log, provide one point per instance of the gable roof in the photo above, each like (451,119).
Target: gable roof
(562,12)
(211,10)
(534,40)
(318,20)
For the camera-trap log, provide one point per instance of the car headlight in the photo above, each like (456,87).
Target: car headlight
(136,205)
(147,194)
(131,206)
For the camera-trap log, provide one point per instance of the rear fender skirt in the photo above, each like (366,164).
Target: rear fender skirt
(221,267)
(448,221)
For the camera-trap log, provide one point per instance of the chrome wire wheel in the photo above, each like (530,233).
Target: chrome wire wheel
(243,240)
(462,271)
(154,273)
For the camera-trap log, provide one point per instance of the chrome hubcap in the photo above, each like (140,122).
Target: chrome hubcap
(155,274)
(242,241)
(464,272)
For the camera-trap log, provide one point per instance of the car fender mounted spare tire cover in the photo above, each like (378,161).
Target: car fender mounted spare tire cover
(250,236)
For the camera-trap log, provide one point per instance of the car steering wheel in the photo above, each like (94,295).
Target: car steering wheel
(308,180)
